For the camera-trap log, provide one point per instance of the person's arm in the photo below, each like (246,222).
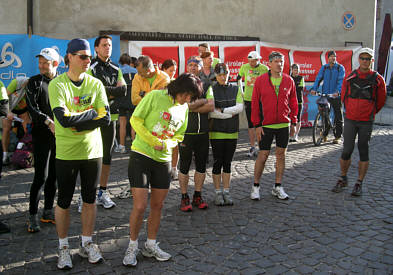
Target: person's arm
(177,137)
(68,119)
(256,107)
(4,103)
(340,78)
(103,119)
(121,87)
(381,93)
(136,89)
(293,104)
(32,95)
(318,79)
(219,115)
(344,91)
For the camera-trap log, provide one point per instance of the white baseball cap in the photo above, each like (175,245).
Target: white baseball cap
(254,55)
(366,50)
(49,54)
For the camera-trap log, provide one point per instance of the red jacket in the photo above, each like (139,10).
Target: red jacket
(273,109)
(363,109)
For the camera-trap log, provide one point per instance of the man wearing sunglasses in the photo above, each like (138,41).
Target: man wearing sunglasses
(80,107)
(115,86)
(363,94)
(43,134)
(332,75)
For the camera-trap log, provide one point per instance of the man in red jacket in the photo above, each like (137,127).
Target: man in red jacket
(363,94)
(274,114)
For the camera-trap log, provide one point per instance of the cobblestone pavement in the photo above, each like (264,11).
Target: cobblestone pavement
(316,231)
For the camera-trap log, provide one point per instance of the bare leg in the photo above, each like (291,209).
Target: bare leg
(6,134)
(156,203)
(217,181)
(226,180)
(122,129)
(199,179)
(260,164)
(105,175)
(280,163)
(344,165)
(62,217)
(363,167)
(183,182)
(88,218)
(251,136)
(139,196)
(175,156)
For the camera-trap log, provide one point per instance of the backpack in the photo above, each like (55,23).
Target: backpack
(23,155)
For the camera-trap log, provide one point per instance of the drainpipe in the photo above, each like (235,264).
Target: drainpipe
(29,17)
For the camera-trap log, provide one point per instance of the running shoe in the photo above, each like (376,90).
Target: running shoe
(219,200)
(174,174)
(227,198)
(130,256)
(340,185)
(90,251)
(336,140)
(357,190)
(255,193)
(32,225)
(185,204)
(64,261)
(197,201)
(48,216)
(104,199)
(120,149)
(155,252)
(279,193)
(251,152)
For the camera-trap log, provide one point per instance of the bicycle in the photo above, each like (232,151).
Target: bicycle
(322,123)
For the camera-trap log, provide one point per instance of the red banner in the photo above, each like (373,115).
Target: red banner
(190,51)
(309,63)
(235,57)
(160,54)
(344,58)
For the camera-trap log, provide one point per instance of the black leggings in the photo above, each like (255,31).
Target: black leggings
(338,115)
(108,134)
(197,144)
(44,147)
(67,172)
(223,151)
(247,105)
(363,130)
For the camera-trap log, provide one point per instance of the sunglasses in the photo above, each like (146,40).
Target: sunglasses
(365,58)
(83,56)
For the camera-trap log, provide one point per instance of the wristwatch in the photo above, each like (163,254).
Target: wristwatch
(47,122)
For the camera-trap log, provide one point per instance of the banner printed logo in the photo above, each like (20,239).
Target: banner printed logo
(9,57)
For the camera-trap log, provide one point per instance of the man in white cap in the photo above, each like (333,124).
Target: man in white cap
(43,130)
(250,71)
(363,95)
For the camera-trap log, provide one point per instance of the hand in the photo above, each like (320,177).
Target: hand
(335,95)
(10,116)
(159,147)
(259,133)
(313,92)
(52,127)
(292,130)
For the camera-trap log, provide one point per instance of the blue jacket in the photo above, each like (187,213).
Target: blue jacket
(332,78)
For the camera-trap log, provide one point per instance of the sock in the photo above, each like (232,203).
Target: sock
(277,184)
(344,178)
(86,239)
(226,190)
(184,196)
(197,193)
(133,243)
(63,242)
(150,243)
(256,184)
(101,190)
(5,154)
(218,191)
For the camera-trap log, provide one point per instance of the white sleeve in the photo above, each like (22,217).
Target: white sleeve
(234,110)
(219,115)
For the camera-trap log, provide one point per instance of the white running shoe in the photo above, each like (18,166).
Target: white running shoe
(80,204)
(120,149)
(105,200)
(174,173)
(155,252)
(251,152)
(90,251)
(130,257)
(255,193)
(279,193)
(64,261)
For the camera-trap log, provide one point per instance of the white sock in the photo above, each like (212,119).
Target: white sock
(86,239)
(226,190)
(218,191)
(150,242)
(5,154)
(63,242)
(133,243)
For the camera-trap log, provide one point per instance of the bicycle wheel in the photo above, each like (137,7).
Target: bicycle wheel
(318,130)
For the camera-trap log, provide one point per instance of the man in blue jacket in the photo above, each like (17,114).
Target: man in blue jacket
(332,75)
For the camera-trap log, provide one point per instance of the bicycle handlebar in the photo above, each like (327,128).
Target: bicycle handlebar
(326,95)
